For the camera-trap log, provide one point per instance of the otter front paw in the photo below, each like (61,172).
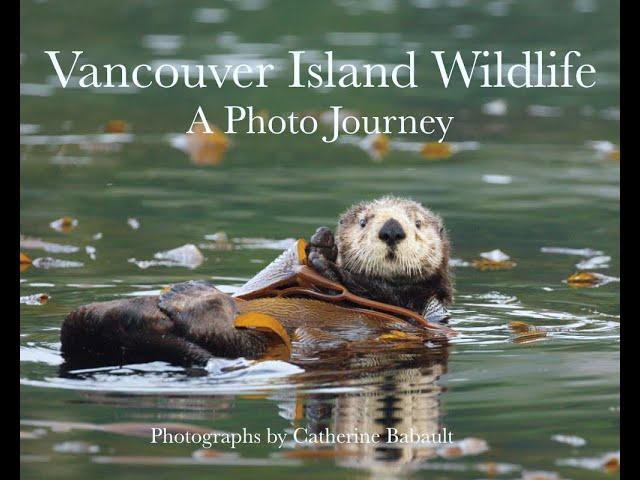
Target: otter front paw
(323,242)
(324,267)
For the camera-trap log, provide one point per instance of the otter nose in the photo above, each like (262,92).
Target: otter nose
(391,232)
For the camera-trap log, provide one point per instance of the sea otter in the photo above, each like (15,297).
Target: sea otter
(390,250)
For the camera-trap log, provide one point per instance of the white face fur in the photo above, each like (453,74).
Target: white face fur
(418,254)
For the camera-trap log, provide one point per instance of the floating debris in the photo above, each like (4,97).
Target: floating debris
(376,145)
(496,107)
(589,279)
(572,440)
(497,179)
(134,223)
(91,251)
(203,148)
(64,224)
(32,243)
(219,241)
(436,151)
(206,453)
(25,262)
(97,236)
(609,462)
(467,446)
(185,256)
(75,447)
(605,149)
(493,260)
(116,126)
(526,333)
(49,262)
(35,299)
(582,252)
(601,261)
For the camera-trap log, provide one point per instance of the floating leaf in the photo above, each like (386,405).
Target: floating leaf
(24,258)
(377,145)
(436,151)
(484,264)
(207,148)
(35,299)
(589,279)
(611,462)
(614,155)
(116,126)
(265,323)
(467,446)
(64,224)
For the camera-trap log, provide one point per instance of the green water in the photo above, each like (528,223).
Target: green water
(559,192)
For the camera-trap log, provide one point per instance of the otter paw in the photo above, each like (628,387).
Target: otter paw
(324,267)
(323,242)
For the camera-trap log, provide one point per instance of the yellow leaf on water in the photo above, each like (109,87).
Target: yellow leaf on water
(486,264)
(611,463)
(25,262)
(584,279)
(380,144)
(614,155)
(265,323)
(116,126)
(207,148)
(436,151)
(64,224)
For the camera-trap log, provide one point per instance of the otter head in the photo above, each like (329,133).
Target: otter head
(392,238)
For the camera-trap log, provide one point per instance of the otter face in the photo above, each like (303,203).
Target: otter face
(392,238)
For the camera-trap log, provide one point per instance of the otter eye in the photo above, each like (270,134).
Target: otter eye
(418,223)
(363,222)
